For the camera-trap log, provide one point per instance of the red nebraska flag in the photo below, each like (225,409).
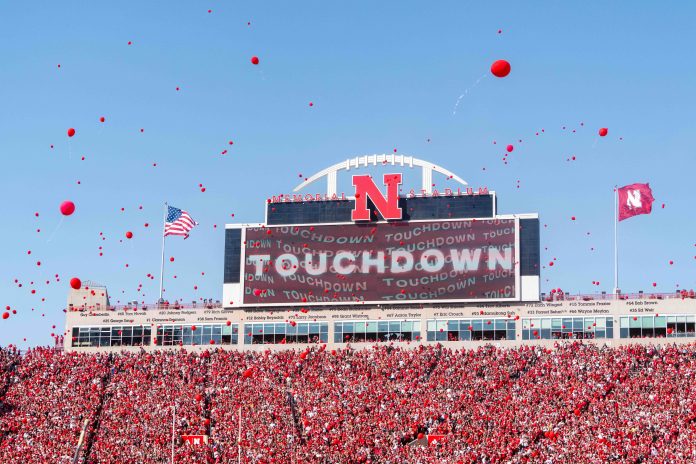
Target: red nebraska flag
(435,439)
(195,439)
(634,199)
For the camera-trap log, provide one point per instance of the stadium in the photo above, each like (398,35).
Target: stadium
(435,267)
(391,225)
(370,327)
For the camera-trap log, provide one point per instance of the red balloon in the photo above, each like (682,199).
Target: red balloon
(75,283)
(129,234)
(509,148)
(71,132)
(171,259)
(254,60)
(603,132)
(102,119)
(500,68)
(5,315)
(67,208)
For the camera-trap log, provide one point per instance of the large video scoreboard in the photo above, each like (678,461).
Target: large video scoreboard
(381,246)
(309,252)
(420,261)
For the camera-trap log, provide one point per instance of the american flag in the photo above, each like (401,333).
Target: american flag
(178,222)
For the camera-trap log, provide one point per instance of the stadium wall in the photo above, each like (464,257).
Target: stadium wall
(667,318)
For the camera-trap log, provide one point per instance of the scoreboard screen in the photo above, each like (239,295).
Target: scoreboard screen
(404,262)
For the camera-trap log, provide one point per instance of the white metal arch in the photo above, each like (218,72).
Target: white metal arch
(427,169)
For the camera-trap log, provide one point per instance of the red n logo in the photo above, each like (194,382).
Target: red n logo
(387,207)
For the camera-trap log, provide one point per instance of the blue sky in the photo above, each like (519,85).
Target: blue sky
(382,76)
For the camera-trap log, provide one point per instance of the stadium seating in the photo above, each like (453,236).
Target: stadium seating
(49,396)
(573,403)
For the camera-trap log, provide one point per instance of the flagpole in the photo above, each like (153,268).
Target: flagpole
(173,424)
(616,243)
(239,438)
(164,223)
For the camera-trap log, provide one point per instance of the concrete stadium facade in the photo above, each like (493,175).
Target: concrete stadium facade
(628,314)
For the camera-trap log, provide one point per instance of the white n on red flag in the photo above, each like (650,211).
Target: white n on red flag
(195,440)
(634,199)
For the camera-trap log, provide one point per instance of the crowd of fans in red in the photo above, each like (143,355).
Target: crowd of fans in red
(574,403)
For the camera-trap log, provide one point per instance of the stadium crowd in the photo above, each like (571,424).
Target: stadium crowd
(148,393)
(47,399)
(574,403)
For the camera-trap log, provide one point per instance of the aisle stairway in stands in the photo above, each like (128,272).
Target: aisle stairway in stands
(207,404)
(295,417)
(93,428)
(8,369)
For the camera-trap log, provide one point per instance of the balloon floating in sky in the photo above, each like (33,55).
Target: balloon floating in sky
(71,132)
(509,148)
(603,132)
(129,234)
(67,208)
(500,68)
(254,60)
(75,283)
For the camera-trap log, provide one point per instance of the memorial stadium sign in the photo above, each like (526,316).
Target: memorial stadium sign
(446,192)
